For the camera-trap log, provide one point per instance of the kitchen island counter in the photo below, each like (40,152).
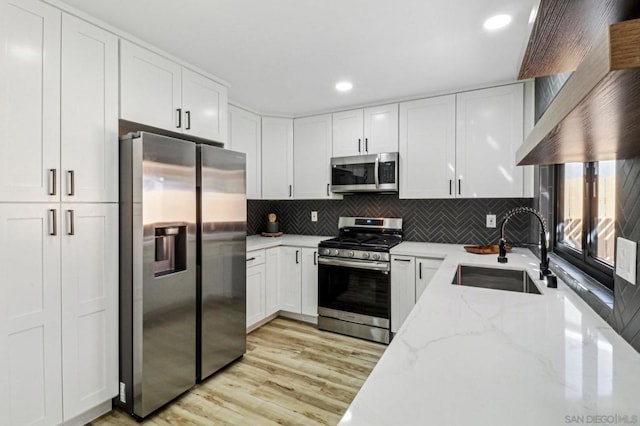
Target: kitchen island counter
(478,356)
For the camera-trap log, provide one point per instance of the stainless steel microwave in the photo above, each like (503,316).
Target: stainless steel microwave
(365,173)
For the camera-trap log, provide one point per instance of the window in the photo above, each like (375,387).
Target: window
(585,222)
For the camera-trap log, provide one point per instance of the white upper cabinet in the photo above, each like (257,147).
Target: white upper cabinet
(205,107)
(312,157)
(428,148)
(381,129)
(29,101)
(277,158)
(150,88)
(369,131)
(89,163)
(245,136)
(489,132)
(161,93)
(348,133)
(89,305)
(30,348)
(462,145)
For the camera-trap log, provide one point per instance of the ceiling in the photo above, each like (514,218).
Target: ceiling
(284,57)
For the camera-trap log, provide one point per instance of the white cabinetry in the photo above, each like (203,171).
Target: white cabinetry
(89,162)
(59,325)
(409,277)
(312,157)
(29,101)
(272,260)
(403,289)
(290,289)
(30,346)
(309,282)
(462,145)
(489,131)
(428,148)
(277,158)
(256,284)
(245,136)
(161,93)
(89,305)
(366,131)
(426,268)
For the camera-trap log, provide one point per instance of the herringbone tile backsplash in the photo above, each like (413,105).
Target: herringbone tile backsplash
(626,297)
(459,221)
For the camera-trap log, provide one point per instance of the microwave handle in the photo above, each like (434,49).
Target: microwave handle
(376,171)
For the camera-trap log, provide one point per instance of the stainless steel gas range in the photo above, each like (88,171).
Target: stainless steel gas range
(354,278)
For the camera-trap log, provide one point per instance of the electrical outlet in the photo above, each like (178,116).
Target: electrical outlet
(314,216)
(626,260)
(491,221)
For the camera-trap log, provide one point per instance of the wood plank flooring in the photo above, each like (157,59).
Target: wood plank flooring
(291,374)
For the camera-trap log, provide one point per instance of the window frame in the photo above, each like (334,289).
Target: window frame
(584,259)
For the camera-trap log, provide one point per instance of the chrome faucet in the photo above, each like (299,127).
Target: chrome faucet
(545,272)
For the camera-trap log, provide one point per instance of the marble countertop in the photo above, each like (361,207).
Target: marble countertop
(474,356)
(257,242)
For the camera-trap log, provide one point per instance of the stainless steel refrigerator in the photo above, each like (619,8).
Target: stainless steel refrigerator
(181,293)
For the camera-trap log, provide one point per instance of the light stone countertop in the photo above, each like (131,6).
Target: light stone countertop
(474,356)
(257,242)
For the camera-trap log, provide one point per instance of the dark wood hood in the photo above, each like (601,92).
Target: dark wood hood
(596,115)
(565,30)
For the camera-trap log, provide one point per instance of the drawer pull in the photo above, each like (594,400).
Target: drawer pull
(250,259)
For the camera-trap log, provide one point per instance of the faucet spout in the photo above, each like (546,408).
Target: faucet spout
(545,272)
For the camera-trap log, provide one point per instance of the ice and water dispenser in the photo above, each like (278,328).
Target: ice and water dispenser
(170,249)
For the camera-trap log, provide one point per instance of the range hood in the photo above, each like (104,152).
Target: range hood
(596,115)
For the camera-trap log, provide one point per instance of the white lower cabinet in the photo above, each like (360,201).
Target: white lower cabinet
(403,289)
(30,345)
(290,283)
(272,257)
(89,305)
(409,277)
(310,281)
(256,285)
(59,304)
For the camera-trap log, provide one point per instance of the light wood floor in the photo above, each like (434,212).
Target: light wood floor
(291,374)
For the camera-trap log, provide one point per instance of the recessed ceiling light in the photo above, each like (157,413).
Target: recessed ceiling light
(496,22)
(344,86)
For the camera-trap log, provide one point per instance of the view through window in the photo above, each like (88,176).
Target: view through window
(585,226)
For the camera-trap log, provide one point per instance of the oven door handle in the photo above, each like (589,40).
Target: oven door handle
(372,266)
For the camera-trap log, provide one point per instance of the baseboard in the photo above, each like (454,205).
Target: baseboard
(89,415)
(311,319)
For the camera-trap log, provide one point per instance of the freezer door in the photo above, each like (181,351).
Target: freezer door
(222,209)
(164,296)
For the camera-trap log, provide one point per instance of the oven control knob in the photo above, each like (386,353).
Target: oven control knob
(375,256)
(351,254)
(336,252)
(365,255)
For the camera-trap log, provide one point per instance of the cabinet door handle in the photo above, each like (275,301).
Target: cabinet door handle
(297,253)
(71,182)
(459,186)
(420,270)
(315,257)
(366,145)
(53,177)
(71,229)
(290,191)
(328,190)
(402,260)
(53,222)
(188,114)
(250,259)
(179,120)
(359,145)
(450,185)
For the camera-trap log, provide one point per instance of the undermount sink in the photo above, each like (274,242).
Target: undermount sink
(495,278)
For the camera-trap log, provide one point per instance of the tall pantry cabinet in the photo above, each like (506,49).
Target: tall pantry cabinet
(58,215)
